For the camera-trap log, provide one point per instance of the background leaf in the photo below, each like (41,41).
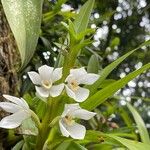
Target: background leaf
(140,124)
(131,145)
(93,65)
(107,70)
(105,93)
(82,19)
(24,17)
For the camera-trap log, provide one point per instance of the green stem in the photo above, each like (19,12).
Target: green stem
(70,60)
(51,137)
(44,128)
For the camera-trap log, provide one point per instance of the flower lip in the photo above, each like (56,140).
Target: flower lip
(73,84)
(68,126)
(45,79)
(68,120)
(46,84)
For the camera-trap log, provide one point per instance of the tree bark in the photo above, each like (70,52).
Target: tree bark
(8,62)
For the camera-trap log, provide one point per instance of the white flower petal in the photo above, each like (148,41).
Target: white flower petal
(78,72)
(42,92)
(63,129)
(57,74)
(88,79)
(10,107)
(44,99)
(17,101)
(56,90)
(35,77)
(70,78)
(25,103)
(77,131)
(45,72)
(83,114)
(14,120)
(81,94)
(69,92)
(69,108)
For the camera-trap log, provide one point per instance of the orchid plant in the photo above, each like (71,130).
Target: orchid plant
(67,94)
(45,88)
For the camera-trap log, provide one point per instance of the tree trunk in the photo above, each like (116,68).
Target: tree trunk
(8,62)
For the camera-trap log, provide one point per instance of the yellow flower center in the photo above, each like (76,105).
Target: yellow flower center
(68,120)
(46,84)
(74,85)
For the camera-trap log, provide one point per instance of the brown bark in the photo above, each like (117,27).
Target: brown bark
(8,62)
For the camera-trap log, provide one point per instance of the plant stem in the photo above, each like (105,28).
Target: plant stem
(69,61)
(51,137)
(44,128)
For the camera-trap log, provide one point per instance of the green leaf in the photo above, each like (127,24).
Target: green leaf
(101,146)
(24,17)
(25,147)
(82,19)
(81,35)
(28,127)
(115,42)
(140,124)
(130,144)
(70,145)
(105,93)
(18,146)
(93,65)
(106,71)
(56,10)
(106,83)
(112,139)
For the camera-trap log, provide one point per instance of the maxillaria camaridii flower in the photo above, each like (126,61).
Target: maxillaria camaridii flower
(44,81)
(18,107)
(76,78)
(68,126)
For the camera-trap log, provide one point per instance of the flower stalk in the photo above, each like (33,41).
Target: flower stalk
(44,128)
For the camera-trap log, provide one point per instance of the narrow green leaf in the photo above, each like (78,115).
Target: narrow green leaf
(93,65)
(59,4)
(106,83)
(82,19)
(63,146)
(18,146)
(70,145)
(88,31)
(106,71)
(101,146)
(105,93)
(140,124)
(130,144)
(24,17)
(25,147)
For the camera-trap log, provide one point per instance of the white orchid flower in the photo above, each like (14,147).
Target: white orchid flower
(68,126)
(76,78)
(45,79)
(18,107)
